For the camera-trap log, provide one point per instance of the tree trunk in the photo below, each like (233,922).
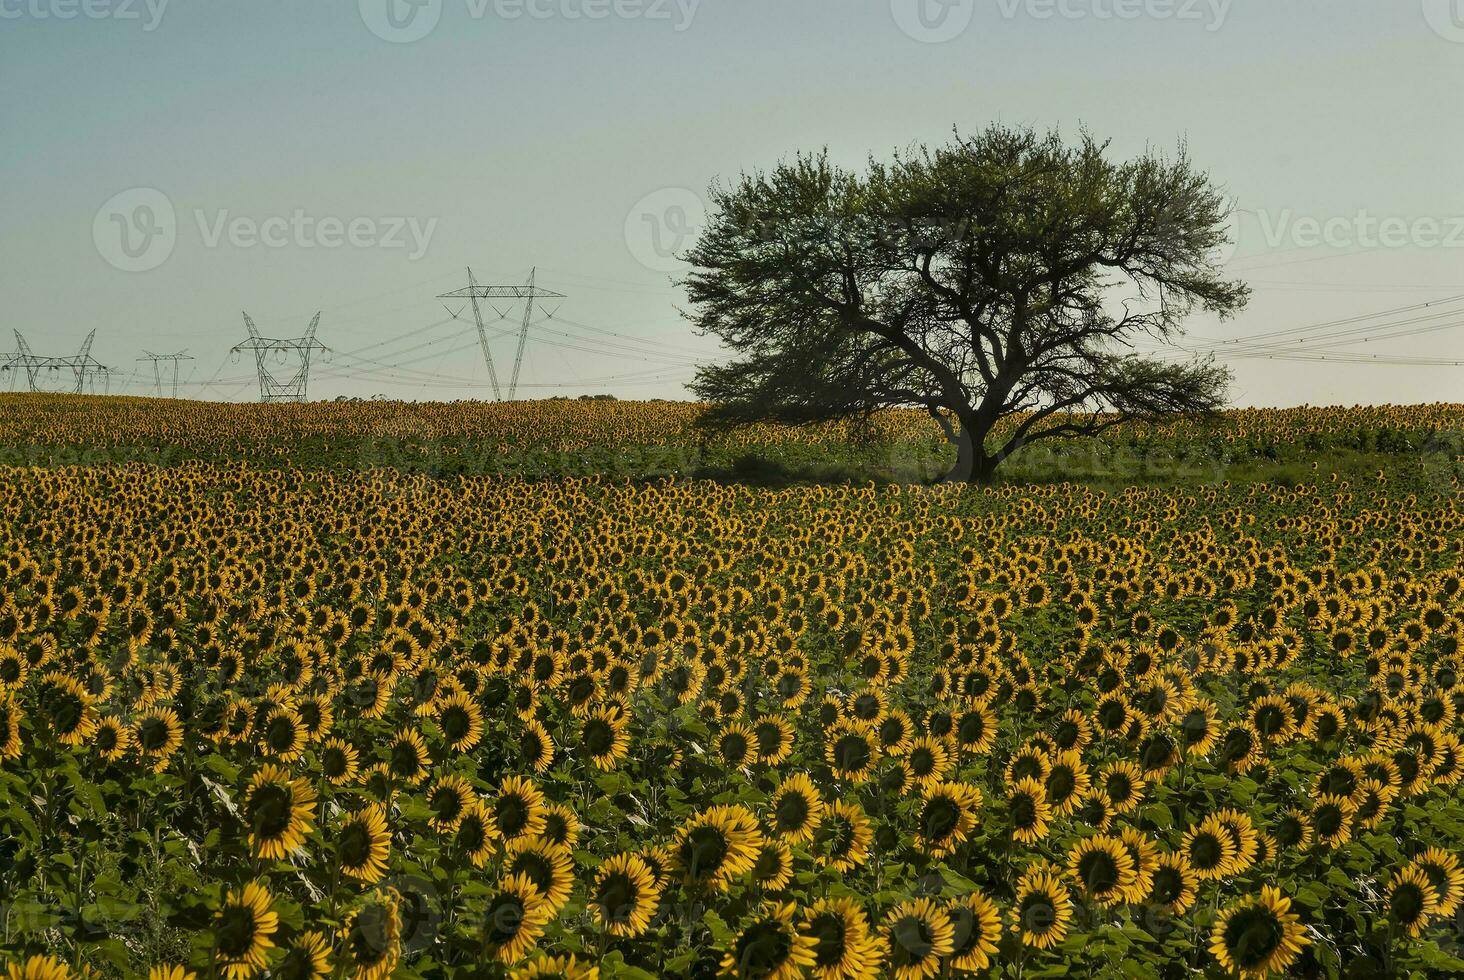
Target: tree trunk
(972,464)
(983,473)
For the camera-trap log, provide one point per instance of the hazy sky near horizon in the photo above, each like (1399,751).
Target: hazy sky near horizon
(169,164)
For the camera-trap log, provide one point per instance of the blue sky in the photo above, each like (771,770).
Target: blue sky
(535,133)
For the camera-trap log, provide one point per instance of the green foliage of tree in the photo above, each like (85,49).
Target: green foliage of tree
(1000,275)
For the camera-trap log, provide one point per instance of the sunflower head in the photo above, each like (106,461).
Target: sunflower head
(917,934)
(1043,910)
(1412,900)
(1258,936)
(244,931)
(770,946)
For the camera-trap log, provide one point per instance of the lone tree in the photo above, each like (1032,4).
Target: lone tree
(1000,277)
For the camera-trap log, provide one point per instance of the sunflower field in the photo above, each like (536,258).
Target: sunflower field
(275,714)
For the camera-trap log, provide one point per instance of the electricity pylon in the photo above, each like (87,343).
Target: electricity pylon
(83,366)
(270,388)
(528,293)
(157,359)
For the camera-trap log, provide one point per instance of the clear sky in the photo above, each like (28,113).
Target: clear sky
(168,165)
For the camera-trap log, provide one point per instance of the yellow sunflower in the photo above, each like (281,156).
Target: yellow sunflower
(307,958)
(625,895)
(1043,910)
(976,932)
(1258,935)
(243,931)
(278,811)
(769,947)
(513,919)
(363,844)
(1411,900)
(917,934)
(843,948)
(714,847)
(796,809)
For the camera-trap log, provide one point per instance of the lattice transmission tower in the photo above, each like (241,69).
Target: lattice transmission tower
(84,368)
(157,360)
(528,293)
(271,389)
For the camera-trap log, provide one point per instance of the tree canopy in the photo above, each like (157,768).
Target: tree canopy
(1000,276)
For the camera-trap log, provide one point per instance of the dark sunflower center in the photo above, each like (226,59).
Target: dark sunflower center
(1329,820)
(762,949)
(503,919)
(280,736)
(1339,782)
(581,689)
(533,747)
(333,763)
(1038,913)
(1270,719)
(1023,810)
(404,759)
(769,739)
(599,737)
(617,897)
(512,813)
(1061,783)
(66,711)
(839,834)
(447,804)
(940,818)
(1168,885)
(971,729)
(703,851)
(1237,746)
(792,812)
(472,835)
(1099,871)
(456,724)
(235,931)
(827,930)
(354,845)
(537,867)
(769,864)
(297,965)
(1252,936)
(911,941)
(734,747)
(269,811)
(964,929)
(1158,751)
(1112,715)
(1026,767)
(1195,727)
(851,753)
(152,734)
(1206,852)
